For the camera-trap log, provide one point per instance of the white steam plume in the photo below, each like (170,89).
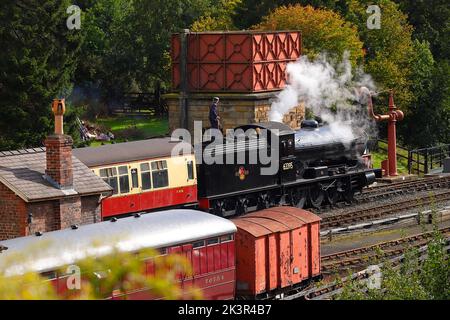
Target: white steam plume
(321,85)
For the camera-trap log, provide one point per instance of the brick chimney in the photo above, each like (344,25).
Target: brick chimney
(59,170)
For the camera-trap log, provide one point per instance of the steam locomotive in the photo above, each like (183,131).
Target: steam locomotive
(314,167)
(309,167)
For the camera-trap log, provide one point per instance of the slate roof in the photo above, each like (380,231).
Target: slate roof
(23,171)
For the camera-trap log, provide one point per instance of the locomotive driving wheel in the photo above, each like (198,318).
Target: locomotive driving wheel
(346,190)
(263,201)
(332,195)
(241,206)
(298,197)
(349,195)
(219,208)
(316,196)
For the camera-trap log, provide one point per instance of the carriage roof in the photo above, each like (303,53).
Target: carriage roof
(130,151)
(154,230)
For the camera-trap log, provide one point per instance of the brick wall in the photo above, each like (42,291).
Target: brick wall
(59,160)
(47,215)
(90,210)
(44,218)
(12,214)
(69,212)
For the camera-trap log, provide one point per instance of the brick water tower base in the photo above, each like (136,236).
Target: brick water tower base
(234,109)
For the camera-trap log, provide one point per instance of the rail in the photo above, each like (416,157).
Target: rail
(330,290)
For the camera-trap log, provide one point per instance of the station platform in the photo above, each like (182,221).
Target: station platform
(400,178)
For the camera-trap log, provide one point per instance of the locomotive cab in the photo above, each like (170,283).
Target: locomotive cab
(285,137)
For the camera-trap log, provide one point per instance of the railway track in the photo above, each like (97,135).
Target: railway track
(381,211)
(399,188)
(330,290)
(360,256)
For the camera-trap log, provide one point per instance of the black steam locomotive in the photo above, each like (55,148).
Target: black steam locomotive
(313,167)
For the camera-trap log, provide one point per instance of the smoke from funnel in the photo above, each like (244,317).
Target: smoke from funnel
(331,90)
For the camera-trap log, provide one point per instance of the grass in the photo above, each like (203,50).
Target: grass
(378,157)
(130,128)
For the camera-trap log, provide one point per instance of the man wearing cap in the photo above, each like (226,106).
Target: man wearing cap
(213,115)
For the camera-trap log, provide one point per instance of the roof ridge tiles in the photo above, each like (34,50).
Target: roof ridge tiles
(10,153)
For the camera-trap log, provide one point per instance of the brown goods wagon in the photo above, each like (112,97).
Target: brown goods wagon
(276,249)
(236,61)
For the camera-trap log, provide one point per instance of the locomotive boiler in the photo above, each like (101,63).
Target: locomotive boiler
(322,145)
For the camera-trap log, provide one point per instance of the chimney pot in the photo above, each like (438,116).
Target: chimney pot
(59,170)
(58,108)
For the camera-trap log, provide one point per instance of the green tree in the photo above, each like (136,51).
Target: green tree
(415,279)
(250,12)
(322,30)
(419,126)
(107,64)
(153,23)
(388,49)
(37,61)
(220,17)
(439,100)
(431,21)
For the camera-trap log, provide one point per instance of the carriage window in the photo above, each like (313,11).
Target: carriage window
(198,244)
(134,178)
(159,174)
(145,176)
(50,275)
(213,241)
(190,170)
(123,179)
(162,251)
(109,175)
(226,238)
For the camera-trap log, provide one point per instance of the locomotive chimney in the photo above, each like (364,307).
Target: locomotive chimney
(59,170)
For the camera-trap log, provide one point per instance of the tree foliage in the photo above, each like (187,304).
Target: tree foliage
(389,49)
(153,23)
(413,280)
(106,64)
(323,31)
(38,58)
(220,17)
(431,21)
(118,272)
(250,12)
(124,46)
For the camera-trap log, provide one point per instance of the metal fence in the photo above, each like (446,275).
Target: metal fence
(420,161)
(424,161)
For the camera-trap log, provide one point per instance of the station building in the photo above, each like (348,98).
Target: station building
(45,189)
